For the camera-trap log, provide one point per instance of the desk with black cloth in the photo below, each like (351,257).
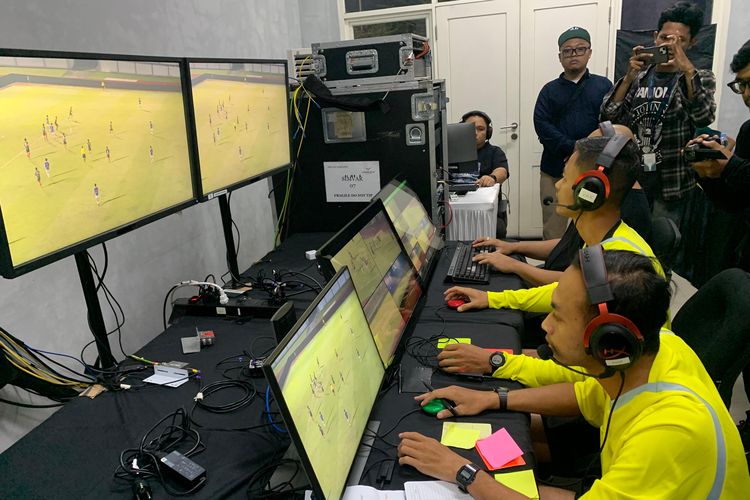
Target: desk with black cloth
(488,328)
(74,453)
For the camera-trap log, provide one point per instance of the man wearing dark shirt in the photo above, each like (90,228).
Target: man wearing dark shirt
(664,104)
(566,110)
(493,164)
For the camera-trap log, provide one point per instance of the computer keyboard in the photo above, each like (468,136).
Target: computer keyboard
(463,270)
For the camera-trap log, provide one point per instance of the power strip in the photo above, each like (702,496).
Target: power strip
(236,307)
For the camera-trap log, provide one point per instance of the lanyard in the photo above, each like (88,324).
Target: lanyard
(664,104)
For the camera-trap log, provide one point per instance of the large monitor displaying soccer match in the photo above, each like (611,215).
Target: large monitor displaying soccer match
(385,280)
(89,148)
(413,225)
(241,121)
(325,376)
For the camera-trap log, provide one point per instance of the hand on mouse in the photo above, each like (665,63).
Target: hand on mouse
(465,401)
(477,299)
(464,358)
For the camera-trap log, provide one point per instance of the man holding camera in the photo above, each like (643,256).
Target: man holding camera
(664,104)
(567,109)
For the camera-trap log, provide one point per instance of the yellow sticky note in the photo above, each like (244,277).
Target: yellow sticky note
(464,435)
(445,341)
(521,481)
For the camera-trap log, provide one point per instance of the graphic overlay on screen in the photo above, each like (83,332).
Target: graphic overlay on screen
(329,374)
(412,223)
(87,146)
(385,281)
(241,121)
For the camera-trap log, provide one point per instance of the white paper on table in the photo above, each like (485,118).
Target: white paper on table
(429,490)
(369,493)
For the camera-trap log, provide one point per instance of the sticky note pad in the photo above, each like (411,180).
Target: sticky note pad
(445,341)
(521,481)
(514,463)
(498,449)
(464,435)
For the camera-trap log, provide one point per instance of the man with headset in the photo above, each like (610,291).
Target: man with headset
(664,430)
(596,178)
(493,164)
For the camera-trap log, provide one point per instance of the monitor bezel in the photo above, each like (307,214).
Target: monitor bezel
(7,268)
(276,387)
(201,196)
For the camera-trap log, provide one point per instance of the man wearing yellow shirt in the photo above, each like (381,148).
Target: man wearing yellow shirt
(664,430)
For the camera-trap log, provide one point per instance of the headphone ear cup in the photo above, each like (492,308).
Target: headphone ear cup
(611,342)
(489,130)
(589,192)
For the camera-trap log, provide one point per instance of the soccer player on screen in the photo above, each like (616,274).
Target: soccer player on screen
(83,154)
(65,140)
(70,113)
(108,153)
(151,153)
(38,176)
(88,144)
(96,195)
(151,127)
(46,167)
(44,133)
(26,148)
(111,128)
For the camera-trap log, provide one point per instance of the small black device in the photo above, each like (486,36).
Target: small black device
(283,320)
(463,188)
(698,152)
(183,469)
(659,54)
(466,475)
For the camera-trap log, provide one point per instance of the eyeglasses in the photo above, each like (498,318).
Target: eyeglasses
(739,86)
(575,51)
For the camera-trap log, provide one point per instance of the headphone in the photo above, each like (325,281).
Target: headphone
(482,115)
(591,189)
(612,339)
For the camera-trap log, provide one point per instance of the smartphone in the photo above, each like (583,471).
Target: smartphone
(659,54)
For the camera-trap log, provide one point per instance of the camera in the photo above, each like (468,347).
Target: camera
(697,152)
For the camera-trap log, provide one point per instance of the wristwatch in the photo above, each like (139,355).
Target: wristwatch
(497,359)
(466,475)
(502,396)
(493,176)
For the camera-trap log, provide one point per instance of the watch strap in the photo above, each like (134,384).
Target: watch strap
(502,396)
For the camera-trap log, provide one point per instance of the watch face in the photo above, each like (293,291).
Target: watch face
(497,360)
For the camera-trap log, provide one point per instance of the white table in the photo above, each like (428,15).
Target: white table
(474,214)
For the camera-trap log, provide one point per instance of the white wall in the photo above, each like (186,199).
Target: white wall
(46,308)
(732,112)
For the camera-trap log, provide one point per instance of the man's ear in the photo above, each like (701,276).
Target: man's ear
(656,36)
(693,41)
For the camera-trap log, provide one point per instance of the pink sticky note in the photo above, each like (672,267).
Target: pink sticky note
(498,449)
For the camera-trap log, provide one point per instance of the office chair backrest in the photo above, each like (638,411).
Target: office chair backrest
(715,323)
(665,240)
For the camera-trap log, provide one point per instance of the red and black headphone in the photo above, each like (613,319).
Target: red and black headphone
(483,116)
(612,339)
(591,188)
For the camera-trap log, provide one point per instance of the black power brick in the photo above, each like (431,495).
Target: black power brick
(183,469)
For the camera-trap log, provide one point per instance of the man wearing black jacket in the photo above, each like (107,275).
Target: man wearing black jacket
(566,110)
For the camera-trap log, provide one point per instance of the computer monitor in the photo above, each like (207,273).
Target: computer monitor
(241,113)
(92,146)
(383,275)
(325,376)
(418,234)
(462,148)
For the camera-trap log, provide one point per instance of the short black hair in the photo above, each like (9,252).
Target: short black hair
(624,170)
(741,58)
(686,13)
(640,293)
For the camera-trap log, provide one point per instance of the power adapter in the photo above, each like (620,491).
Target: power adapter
(183,469)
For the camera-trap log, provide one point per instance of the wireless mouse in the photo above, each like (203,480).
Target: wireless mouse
(455,303)
(434,407)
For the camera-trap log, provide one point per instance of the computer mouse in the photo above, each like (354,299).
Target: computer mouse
(434,407)
(455,303)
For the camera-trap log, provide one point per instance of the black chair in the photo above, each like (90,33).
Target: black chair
(715,322)
(665,240)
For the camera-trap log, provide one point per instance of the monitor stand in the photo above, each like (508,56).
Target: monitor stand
(363,453)
(95,318)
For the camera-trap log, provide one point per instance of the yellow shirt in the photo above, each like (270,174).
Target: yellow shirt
(539,299)
(670,438)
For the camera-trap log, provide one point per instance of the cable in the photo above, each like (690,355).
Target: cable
(268,412)
(259,486)
(247,388)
